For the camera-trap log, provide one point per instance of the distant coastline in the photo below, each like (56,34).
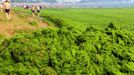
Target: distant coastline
(82,4)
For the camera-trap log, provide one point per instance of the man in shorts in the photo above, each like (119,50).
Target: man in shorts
(38,8)
(7,7)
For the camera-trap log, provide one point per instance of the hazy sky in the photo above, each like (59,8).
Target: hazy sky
(91,0)
(68,0)
(87,0)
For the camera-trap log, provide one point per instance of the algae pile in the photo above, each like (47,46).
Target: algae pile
(68,51)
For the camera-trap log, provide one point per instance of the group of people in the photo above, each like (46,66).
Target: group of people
(35,9)
(6,7)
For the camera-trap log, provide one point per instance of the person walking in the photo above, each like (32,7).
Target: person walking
(7,7)
(38,8)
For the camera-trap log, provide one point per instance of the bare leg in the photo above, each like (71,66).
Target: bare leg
(8,16)
(1,10)
(33,14)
